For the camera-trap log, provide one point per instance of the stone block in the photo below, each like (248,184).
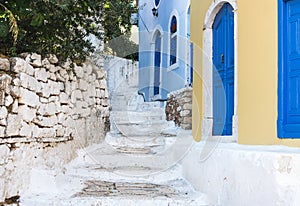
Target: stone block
(88,69)
(29,82)
(44,133)
(46,63)
(187,120)
(29,98)
(3,122)
(14,124)
(101,74)
(18,65)
(52,76)
(44,100)
(3,112)
(185,113)
(41,74)
(78,71)
(26,130)
(103,84)
(2,133)
(15,91)
(4,64)
(61,117)
(47,109)
(60,131)
(45,90)
(50,121)
(63,98)
(83,85)
(15,107)
(35,60)
(27,113)
(76,95)
(187,106)
(52,59)
(4,154)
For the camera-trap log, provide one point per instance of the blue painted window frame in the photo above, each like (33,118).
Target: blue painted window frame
(173,41)
(282,23)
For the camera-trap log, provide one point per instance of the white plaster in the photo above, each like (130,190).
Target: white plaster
(207,71)
(233,174)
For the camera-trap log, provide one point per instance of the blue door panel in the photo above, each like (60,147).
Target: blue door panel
(157,64)
(223,72)
(289,69)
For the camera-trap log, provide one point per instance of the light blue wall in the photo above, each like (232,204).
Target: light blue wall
(176,78)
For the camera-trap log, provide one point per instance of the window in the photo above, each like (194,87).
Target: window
(173,41)
(156,2)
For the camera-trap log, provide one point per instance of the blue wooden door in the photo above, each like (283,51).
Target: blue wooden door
(223,71)
(289,70)
(157,64)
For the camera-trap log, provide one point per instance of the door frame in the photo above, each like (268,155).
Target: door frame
(157,31)
(207,72)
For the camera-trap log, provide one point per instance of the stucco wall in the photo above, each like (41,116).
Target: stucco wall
(171,78)
(47,111)
(257,48)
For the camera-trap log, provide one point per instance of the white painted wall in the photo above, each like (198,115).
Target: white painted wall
(236,175)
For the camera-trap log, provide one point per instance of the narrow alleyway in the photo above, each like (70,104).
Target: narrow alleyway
(137,164)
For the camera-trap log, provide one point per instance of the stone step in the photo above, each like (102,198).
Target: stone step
(137,144)
(157,157)
(93,186)
(114,193)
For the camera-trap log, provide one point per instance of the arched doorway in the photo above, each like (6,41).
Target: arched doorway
(223,71)
(157,63)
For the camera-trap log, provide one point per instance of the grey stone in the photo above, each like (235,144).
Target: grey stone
(52,59)
(26,113)
(3,112)
(63,98)
(4,64)
(26,130)
(79,71)
(2,134)
(29,98)
(14,124)
(15,107)
(41,74)
(29,82)
(83,85)
(36,60)
(4,154)
(8,100)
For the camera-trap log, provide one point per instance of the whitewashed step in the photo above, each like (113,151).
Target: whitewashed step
(136,144)
(89,186)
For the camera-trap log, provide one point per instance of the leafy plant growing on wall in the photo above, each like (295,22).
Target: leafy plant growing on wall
(60,27)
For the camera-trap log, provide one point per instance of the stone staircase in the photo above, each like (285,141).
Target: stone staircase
(137,164)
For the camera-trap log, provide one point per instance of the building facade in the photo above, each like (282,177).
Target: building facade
(164,48)
(246,101)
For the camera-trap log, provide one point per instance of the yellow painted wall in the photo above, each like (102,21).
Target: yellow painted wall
(257,70)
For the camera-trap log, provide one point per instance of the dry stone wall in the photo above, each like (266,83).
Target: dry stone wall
(179,108)
(47,111)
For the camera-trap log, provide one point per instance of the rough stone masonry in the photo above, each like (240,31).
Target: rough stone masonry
(47,111)
(179,107)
